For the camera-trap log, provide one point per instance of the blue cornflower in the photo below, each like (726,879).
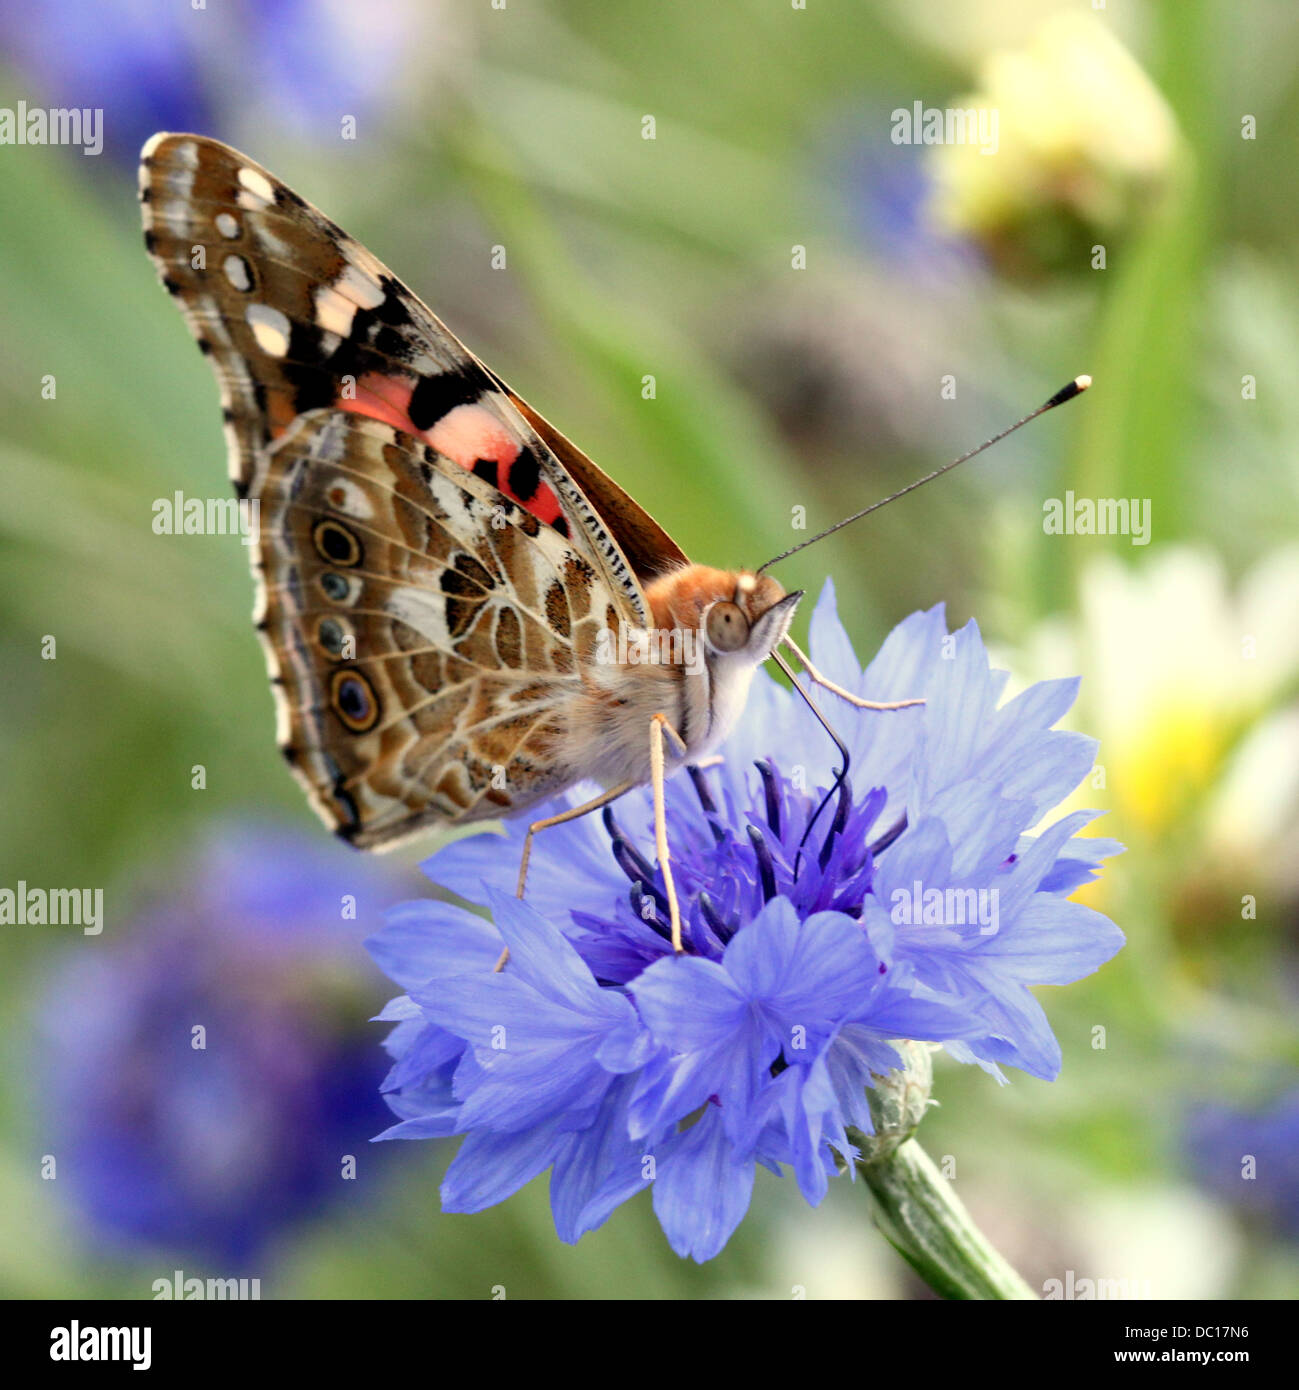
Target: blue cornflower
(200,1081)
(815,934)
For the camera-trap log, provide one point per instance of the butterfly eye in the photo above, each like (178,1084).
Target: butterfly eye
(727,628)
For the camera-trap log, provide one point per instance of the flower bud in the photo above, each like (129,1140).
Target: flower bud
(898,1102)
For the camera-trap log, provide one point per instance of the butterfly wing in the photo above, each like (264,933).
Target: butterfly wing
(297,316)
(358,423)
(428,633)
(649,549)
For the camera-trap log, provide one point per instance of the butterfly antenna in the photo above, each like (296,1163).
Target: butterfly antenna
(1066,393)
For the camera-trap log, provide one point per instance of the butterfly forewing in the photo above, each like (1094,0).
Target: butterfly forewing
(297,316)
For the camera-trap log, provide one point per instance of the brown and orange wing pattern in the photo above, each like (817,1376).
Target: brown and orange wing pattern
(426,632)
(434,566)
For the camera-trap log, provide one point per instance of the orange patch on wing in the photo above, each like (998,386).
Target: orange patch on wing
(469,433)
(381,398)
(544,505)
(465,435)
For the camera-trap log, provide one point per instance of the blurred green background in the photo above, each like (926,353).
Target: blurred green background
(800,288)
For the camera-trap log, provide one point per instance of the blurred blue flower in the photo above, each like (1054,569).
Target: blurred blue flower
(153,67)
(1251,1158)
(807,950)
(212,1142)
(888,192)
(139,62)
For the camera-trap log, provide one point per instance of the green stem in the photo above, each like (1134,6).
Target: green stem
(925,1222)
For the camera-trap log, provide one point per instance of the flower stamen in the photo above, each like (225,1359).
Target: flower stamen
(766,869)
(836,825)
(706,801)
(888,838)
(641,893)
(770,793)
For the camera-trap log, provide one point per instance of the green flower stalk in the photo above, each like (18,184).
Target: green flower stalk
(913,1204)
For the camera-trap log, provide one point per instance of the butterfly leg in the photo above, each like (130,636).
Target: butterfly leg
(573,813)
(839,690)
(658,726)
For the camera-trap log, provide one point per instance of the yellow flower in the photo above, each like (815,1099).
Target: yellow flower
(1180,678)
(1083,136)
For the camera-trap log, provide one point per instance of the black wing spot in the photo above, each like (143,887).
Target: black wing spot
(453,582)
(435,396)
(525,475)
(393,309)
(304,344)
(312,388)
(390,343)
(354,701)
(335,543)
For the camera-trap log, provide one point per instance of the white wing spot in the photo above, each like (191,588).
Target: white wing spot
(272,243)
(236,269)
(270,328)
(350,499)
(334,313)
(257,184)
(228,225)
(424,611)
(362,289)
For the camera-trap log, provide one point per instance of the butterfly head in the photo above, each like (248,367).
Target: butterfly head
(749,622)
(741,617)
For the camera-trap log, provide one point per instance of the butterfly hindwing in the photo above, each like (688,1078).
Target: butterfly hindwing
(425,630)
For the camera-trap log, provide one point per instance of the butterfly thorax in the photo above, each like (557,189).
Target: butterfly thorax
(710,630)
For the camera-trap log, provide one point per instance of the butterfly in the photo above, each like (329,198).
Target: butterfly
(462,615)
(450,592)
